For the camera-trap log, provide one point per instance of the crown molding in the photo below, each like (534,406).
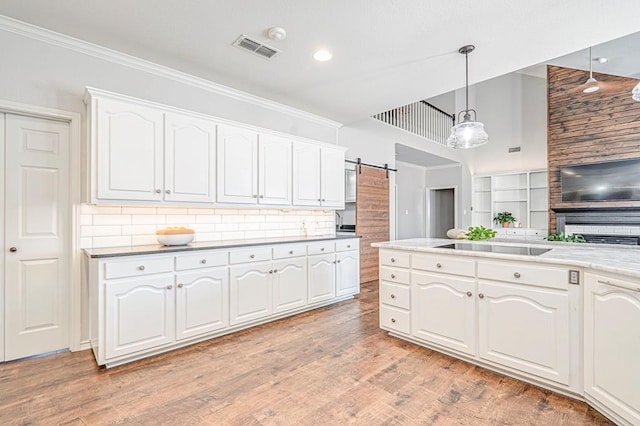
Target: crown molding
(71,43)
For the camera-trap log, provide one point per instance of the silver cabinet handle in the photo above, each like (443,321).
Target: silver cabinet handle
(438,265)
(393,276)
(271,271)
(275,271)
(180,285)
(262,196)
(393,296)
(252,256)
(517,274)
(290,251)
(168,191)
(203,261)
(255,195)
(481,296)
(158,191)
(393,260)
(393,320)
(322,249)
(169,287)
(323,199)
(348,245)
(338,261)
(141,268)
(318,199)
(13,249)
(469,294)
(624,287)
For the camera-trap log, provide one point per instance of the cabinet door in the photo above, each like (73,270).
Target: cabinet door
(306,174)
(250,292)
(274,165)
(443,311)
(189,166)
(332,177)
(139,315)
(129,151)
(347,273)
(525,328)
(237,165)
(201,302)
(612,344)
(321,273)
(289,284)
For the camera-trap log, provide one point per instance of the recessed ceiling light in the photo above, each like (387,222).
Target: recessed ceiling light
(322,55)
(601,60)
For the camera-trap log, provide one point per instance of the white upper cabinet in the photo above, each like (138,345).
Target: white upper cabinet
(237,165)
(189,164)
(129,151)
(274,170)
(318,176)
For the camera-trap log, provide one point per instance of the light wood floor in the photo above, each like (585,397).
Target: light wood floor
(331,366)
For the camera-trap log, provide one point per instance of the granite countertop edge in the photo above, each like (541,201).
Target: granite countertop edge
(208,245)
(621,260)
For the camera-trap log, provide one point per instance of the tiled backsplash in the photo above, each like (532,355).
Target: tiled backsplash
(115,226)
(602,229)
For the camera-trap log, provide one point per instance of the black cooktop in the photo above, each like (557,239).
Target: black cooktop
(493,248)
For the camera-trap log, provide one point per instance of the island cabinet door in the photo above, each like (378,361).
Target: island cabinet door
(525,328)
(250,292)
(201,302)
(443,311)
(139,315)
(612,345)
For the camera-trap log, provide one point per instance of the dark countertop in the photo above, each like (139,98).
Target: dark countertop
(157,248)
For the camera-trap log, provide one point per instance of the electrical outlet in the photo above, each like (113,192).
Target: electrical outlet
(574,277)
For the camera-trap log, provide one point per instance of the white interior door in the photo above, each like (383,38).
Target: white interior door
(36,236)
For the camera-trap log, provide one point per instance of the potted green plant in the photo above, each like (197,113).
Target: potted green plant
(505,218)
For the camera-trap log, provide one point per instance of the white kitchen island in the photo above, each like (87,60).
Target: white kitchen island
(565,317)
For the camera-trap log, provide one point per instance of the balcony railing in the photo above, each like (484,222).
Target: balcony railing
(420,118)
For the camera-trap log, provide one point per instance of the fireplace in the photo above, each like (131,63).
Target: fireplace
(601,225)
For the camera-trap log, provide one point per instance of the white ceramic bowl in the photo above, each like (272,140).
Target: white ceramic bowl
(175,239)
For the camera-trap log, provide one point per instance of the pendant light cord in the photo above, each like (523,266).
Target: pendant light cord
(466,60)
(590,65)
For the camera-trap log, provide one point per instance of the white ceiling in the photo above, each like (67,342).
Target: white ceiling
(386,52)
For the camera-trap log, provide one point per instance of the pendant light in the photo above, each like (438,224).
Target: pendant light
(635,93)
(592,83)
(468,133)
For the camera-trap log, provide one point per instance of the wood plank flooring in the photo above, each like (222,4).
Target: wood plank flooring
(332,366)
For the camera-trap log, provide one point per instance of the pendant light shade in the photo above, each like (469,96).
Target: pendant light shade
(592,84)
(635,93)
(468,133)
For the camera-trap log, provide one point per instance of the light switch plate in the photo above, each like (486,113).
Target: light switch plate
(574,277)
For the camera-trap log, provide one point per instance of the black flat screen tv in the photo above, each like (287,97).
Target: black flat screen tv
(609,181)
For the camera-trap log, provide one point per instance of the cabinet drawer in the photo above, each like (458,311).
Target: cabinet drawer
(396,275)
(534,274)
(320,248)
(394,258)
(255,254)
(132,268)
(445,264)
(201,260)
(395,319)
(293,250)
(347,245)
(395,295)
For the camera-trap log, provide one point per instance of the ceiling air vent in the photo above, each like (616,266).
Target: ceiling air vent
(514,149)
(255,47)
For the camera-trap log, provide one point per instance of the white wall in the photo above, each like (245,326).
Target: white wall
(513,109)
(411,218)
(456,176)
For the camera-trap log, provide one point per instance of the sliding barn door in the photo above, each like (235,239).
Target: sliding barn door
(372,217)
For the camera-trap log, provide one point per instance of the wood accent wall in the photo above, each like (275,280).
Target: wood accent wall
(588,127)
(372,217)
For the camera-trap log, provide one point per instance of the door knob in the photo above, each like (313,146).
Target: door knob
(13,249)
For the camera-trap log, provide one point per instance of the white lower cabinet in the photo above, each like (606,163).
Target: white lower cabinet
(525,328)
(201,302)
(250,292)
(443,310)
(139,314)
(612,346)
(321,278)
(146,304)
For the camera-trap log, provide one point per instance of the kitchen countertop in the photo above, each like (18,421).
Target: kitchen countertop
(208,245)
(623,260)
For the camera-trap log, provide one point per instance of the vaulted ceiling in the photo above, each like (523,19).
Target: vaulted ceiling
(386,53)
